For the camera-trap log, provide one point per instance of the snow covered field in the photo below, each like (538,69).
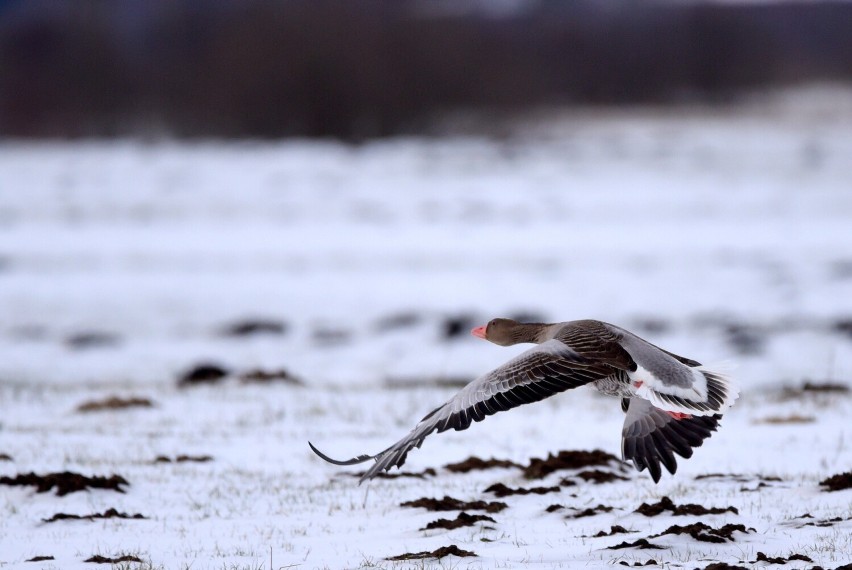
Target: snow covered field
(358,270)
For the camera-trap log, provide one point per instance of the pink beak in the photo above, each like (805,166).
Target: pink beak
(478,332)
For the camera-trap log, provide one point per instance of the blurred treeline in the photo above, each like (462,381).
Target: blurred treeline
(362,68)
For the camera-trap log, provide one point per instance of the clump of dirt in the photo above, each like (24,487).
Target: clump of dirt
(705,533)
(252,327)
(501,490)
(477,464)
(91,339)
(184,459)
(65,482)
(831,387)
(205,373)
(666,504)
(40,558)
(114,403)
(258,376)
(650,562)
(642,543)
(98,559)
(615,529)
(5,457)
(108,514)
(462,520)
(838,482)
(439,553)
(451,504)
(457,326)
(599,477)
(396,321)
(761,557)
(553,508)
(428,472)
(590,512)
(540,468)
(723,566)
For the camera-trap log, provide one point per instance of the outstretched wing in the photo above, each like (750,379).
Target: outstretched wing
(542,371)
(651,436)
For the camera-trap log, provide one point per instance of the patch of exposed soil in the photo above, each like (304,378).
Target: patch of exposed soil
(205,373)
(590,512)
(540,468)
(615,529)
(107,514)
(65,482)
(258,376)
(761,557)
(114,403)
(98,559)
(830,387)
(451,550)
(451,504)
(642,544)
(397,321)
(5,457)
(599,477)
(477,464)
(650,562)
(39,558)
(723,566)
(501,490)
(91,339)
(838,482)
(184,459)
(705,533)
(462,520)
(428,472)
(252,327)
(457,326)
(666,504)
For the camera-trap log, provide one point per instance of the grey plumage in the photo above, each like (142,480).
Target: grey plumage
(569,355)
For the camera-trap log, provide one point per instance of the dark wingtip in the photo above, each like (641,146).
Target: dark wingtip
(353,461)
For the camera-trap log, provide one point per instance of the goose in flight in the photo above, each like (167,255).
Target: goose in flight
(672,403)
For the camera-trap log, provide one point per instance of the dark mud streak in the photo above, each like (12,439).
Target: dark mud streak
(65,482)
(500,490)
(205,373)
(599,477)
(451,504)
(39,559)
(462,520)
(98,559)
(439,553)
(761,557)
(477,464)
(258,376)
(540,468)
(114,403)
(642,543)
(838,482)
(705,533)
(252,327)
(615,529)
(108,514)
(428,472)
(666,504)
(184,459)
(590,512)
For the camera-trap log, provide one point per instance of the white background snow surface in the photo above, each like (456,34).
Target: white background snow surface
(722,236)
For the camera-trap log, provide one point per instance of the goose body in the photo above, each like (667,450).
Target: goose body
(672,403)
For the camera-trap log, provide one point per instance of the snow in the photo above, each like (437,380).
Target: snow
(722,236)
